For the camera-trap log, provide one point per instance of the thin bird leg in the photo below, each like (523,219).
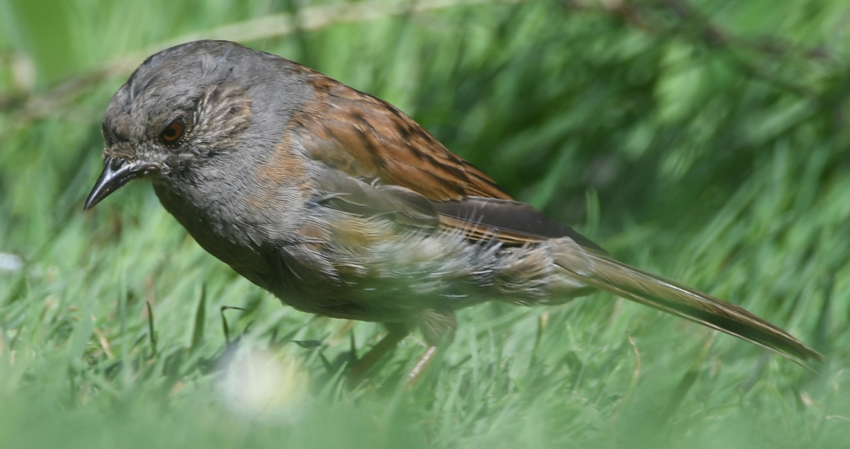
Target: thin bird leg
(419,369)
(396,333)
(437,326)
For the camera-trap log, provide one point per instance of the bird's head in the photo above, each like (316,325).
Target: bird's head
(181,108)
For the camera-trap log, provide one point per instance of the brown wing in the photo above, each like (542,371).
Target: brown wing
(369,139)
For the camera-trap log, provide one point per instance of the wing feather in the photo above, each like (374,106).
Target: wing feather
(369,139)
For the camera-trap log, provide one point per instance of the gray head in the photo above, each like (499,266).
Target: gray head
(188,105)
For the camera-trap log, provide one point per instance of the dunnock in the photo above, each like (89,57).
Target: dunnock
(341,205)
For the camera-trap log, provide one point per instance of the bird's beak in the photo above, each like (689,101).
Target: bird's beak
(116,172)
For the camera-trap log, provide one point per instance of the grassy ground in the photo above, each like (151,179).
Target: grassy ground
(706,141)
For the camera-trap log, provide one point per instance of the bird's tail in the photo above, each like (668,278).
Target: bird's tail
(600,271)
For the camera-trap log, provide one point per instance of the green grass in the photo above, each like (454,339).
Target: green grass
(706,141)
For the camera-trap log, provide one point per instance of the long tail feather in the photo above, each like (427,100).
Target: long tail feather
(599,271)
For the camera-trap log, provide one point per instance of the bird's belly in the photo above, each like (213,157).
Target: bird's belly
(349,296)
(394,284)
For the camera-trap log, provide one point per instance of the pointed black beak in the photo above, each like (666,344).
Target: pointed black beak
(116,173)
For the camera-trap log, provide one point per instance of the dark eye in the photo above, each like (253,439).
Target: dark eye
(173,132)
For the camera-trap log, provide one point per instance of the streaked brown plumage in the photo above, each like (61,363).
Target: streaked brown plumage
(341,205)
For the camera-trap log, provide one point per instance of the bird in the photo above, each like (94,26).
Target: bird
(341,205)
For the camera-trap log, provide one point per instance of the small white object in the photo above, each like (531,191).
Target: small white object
(11,263)
(260,384)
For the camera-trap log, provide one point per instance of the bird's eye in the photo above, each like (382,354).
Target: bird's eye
(173,132)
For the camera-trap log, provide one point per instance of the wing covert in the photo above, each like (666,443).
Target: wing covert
(412,175)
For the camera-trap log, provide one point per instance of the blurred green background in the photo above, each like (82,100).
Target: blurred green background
(703,140)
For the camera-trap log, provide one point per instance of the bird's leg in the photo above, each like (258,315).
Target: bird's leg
(396,333)
(435,325)
(421,365)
